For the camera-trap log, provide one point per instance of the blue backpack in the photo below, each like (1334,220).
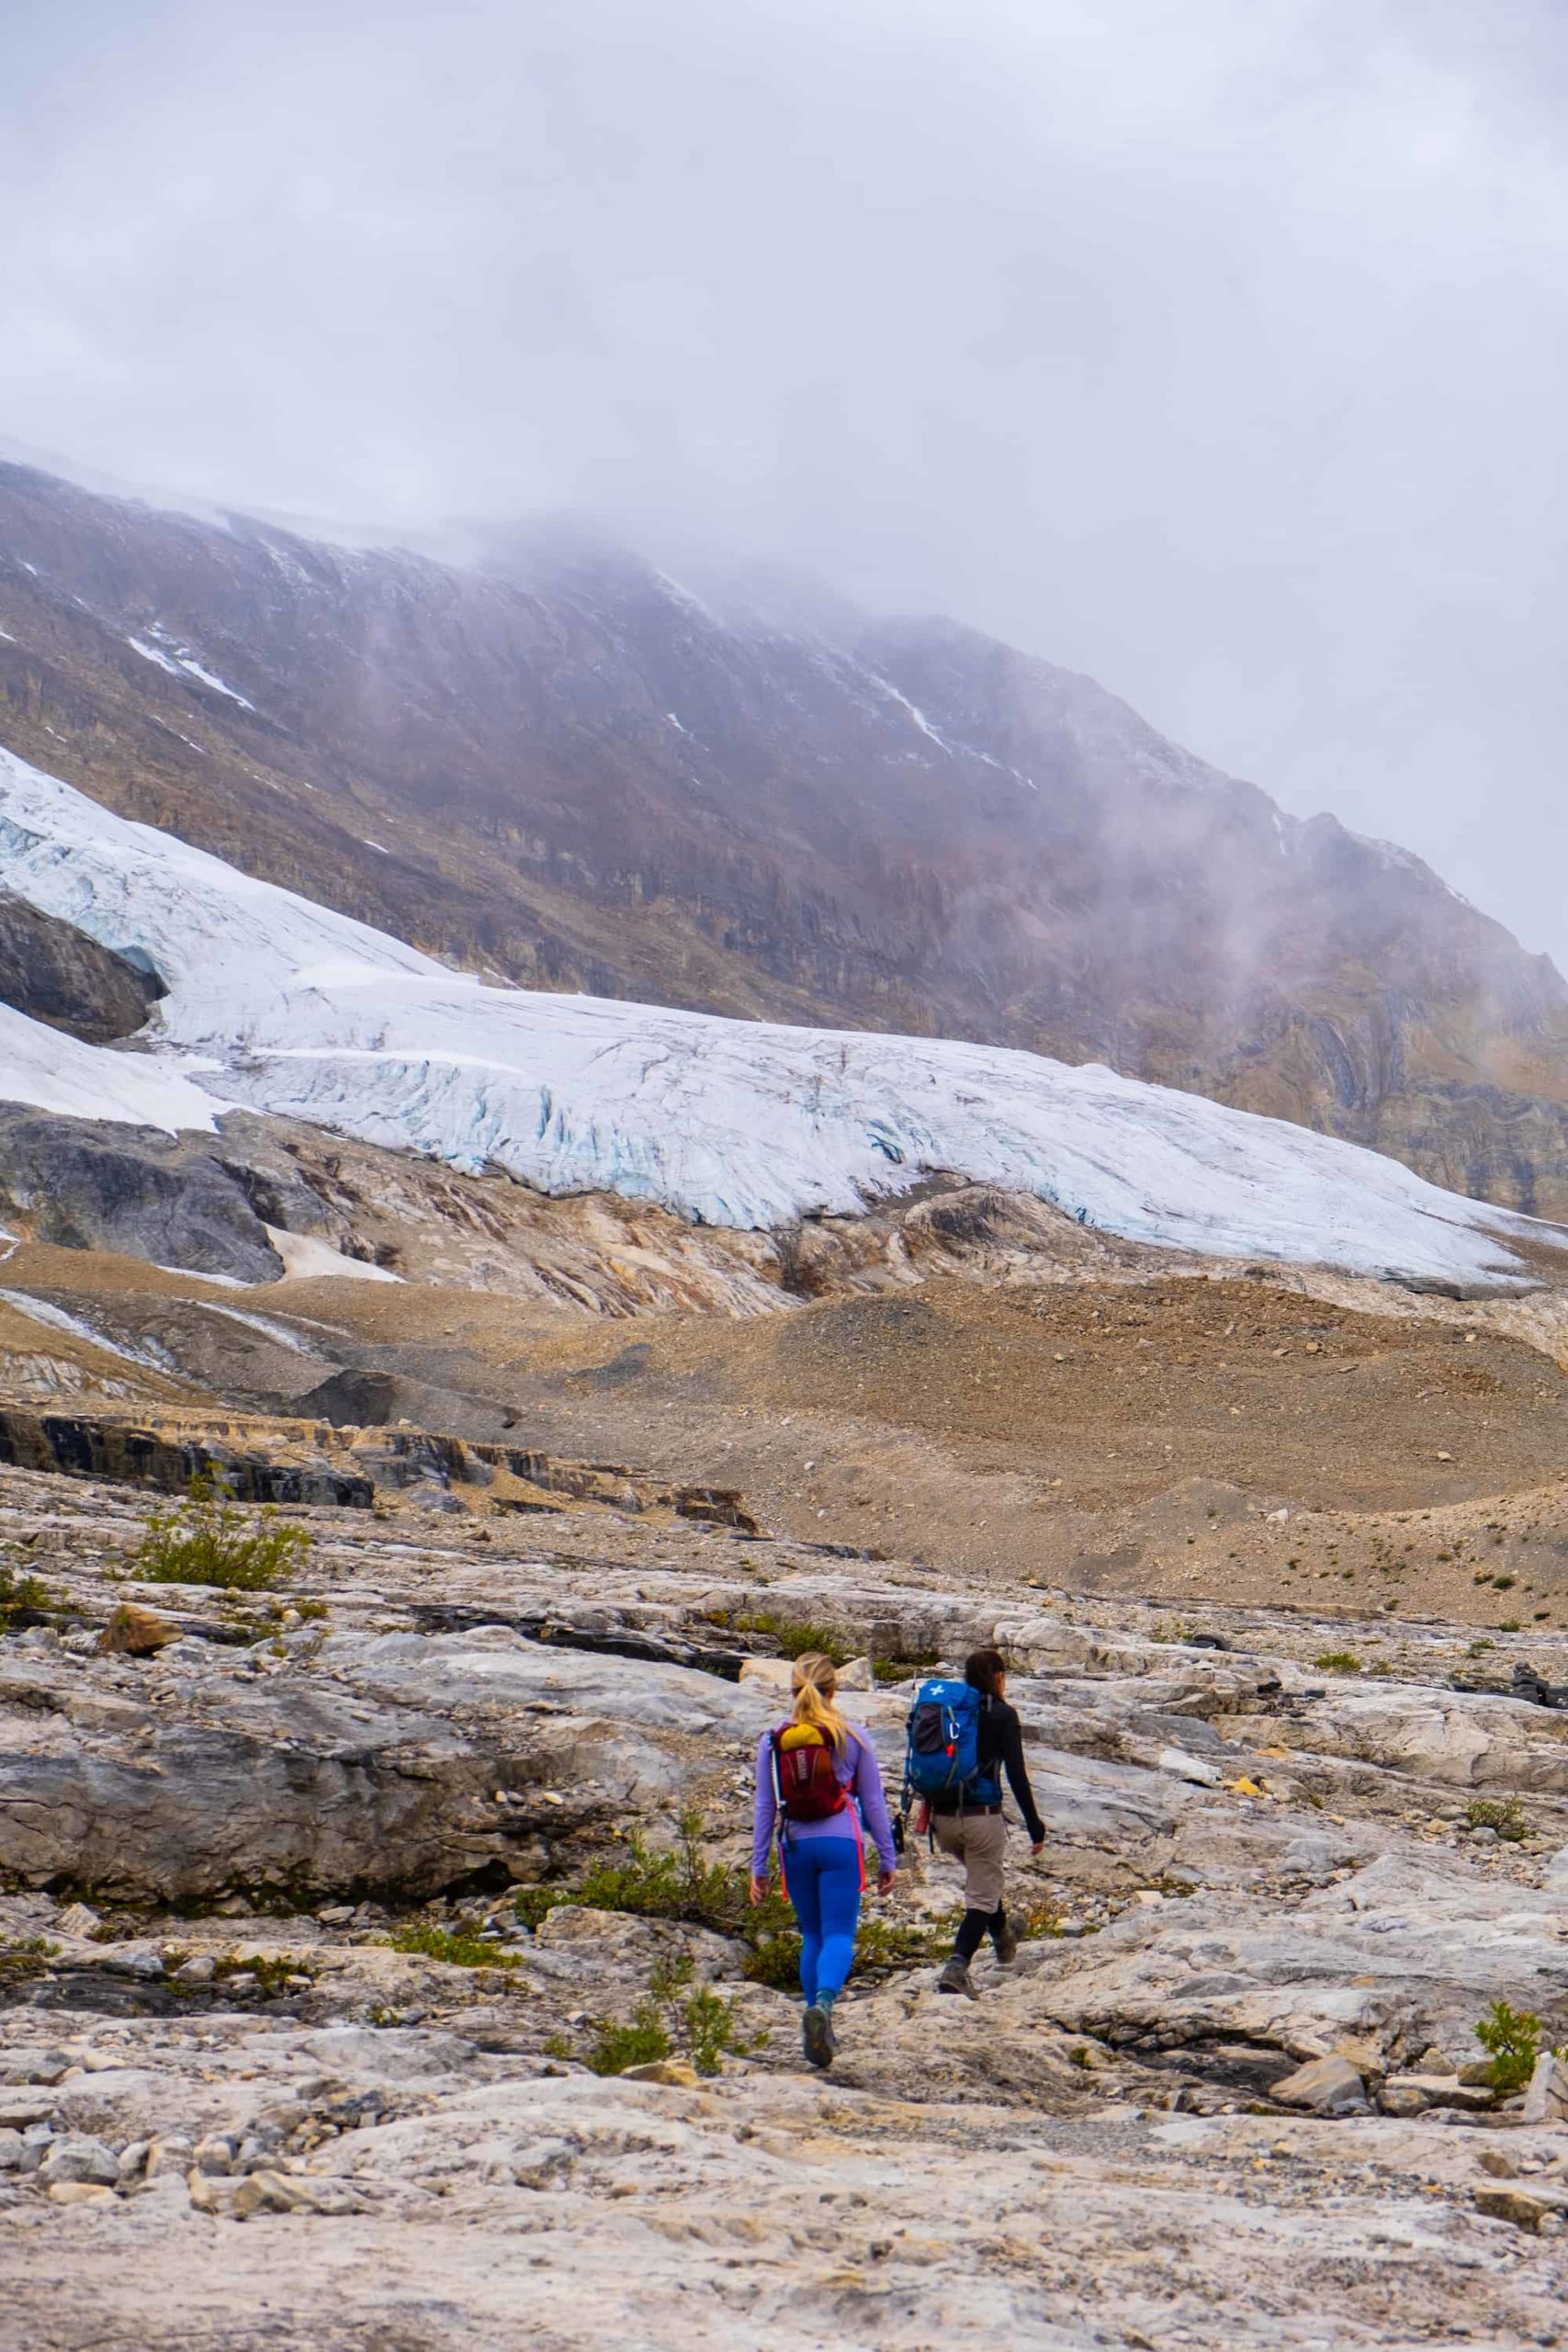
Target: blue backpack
(943,1757)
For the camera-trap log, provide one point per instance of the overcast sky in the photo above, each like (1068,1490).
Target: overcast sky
(1213,346)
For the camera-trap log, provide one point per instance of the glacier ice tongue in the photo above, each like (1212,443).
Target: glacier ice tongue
(298,1010)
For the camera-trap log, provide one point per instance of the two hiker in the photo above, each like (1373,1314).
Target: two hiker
(818,1784)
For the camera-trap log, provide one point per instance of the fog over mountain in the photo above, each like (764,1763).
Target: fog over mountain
(1216,353)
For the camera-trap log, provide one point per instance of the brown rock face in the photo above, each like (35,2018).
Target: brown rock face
(566,769)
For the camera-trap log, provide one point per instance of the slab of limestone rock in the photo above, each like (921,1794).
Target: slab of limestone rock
(1327,2085)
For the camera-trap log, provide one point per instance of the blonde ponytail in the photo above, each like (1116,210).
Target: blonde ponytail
(814,1682)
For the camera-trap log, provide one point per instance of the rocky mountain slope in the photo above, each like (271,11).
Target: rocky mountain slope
(561,766)
(365,1979)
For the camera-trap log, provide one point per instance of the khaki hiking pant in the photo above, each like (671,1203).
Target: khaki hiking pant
(978,1840)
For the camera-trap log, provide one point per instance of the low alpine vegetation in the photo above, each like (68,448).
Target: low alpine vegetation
(20,1962)
(1338,1662)
(674,2018)
(794,1640)
(678,1882)
(452,1945)
(1505,1815)
(19,1596)
(1511,2038)
(903,1670)
(208,1540)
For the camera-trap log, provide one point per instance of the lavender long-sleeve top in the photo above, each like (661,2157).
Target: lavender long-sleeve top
(857,1771)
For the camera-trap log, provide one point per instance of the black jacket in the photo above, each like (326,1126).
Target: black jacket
(1002,1750)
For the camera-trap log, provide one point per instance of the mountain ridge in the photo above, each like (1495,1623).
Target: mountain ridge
(561,766)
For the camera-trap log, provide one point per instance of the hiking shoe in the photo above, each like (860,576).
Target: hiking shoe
(1006,1943)
(816,2036)
(954,1978)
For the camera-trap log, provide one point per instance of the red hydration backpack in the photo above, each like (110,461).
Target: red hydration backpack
(803,1778)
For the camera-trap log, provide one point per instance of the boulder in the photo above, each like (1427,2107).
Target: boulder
(78,1920)
(1526,2208)
(1414,2093)
(767,1673)
(1324,2086)
(134,1631)
(1546,2094)
(75,2158)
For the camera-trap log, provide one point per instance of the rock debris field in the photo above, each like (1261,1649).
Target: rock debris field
(372,1972)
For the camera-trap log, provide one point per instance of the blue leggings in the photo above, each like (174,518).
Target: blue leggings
(824,1876)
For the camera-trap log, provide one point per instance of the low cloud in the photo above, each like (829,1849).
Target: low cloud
(1215,350)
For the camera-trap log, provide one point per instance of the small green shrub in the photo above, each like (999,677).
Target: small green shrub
(22,1961)
(210,1541)
(670,2017)
(1511,2038)
(794,1641)
(19,1594)
(1338,1662)
(896,1943)
(677,1885)
(678,1882)
(675,1882)
(774,1940)
(1505,1815)
(895,1669)
(1503,1584)
(455,1947)
(272,1972)
(534,1904)
(641,2042)
(712,2029)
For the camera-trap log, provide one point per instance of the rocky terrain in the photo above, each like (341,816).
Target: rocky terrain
(332,1908)
(373,1961)
(558,765)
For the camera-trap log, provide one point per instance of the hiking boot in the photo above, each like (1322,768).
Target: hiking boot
(1004,1941)
(817,2035)
(954,1978)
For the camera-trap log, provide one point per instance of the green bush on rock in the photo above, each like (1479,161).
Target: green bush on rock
(210,1541)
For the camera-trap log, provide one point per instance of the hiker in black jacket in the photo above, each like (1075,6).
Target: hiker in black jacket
(976,1834)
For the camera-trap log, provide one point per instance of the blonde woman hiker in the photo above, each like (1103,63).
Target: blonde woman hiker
(818,1783)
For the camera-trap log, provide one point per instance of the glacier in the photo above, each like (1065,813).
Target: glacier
(50,1071)
(285,1007)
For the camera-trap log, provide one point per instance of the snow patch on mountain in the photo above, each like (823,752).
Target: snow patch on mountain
(288,1007)
(180,662)
(151,1357)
